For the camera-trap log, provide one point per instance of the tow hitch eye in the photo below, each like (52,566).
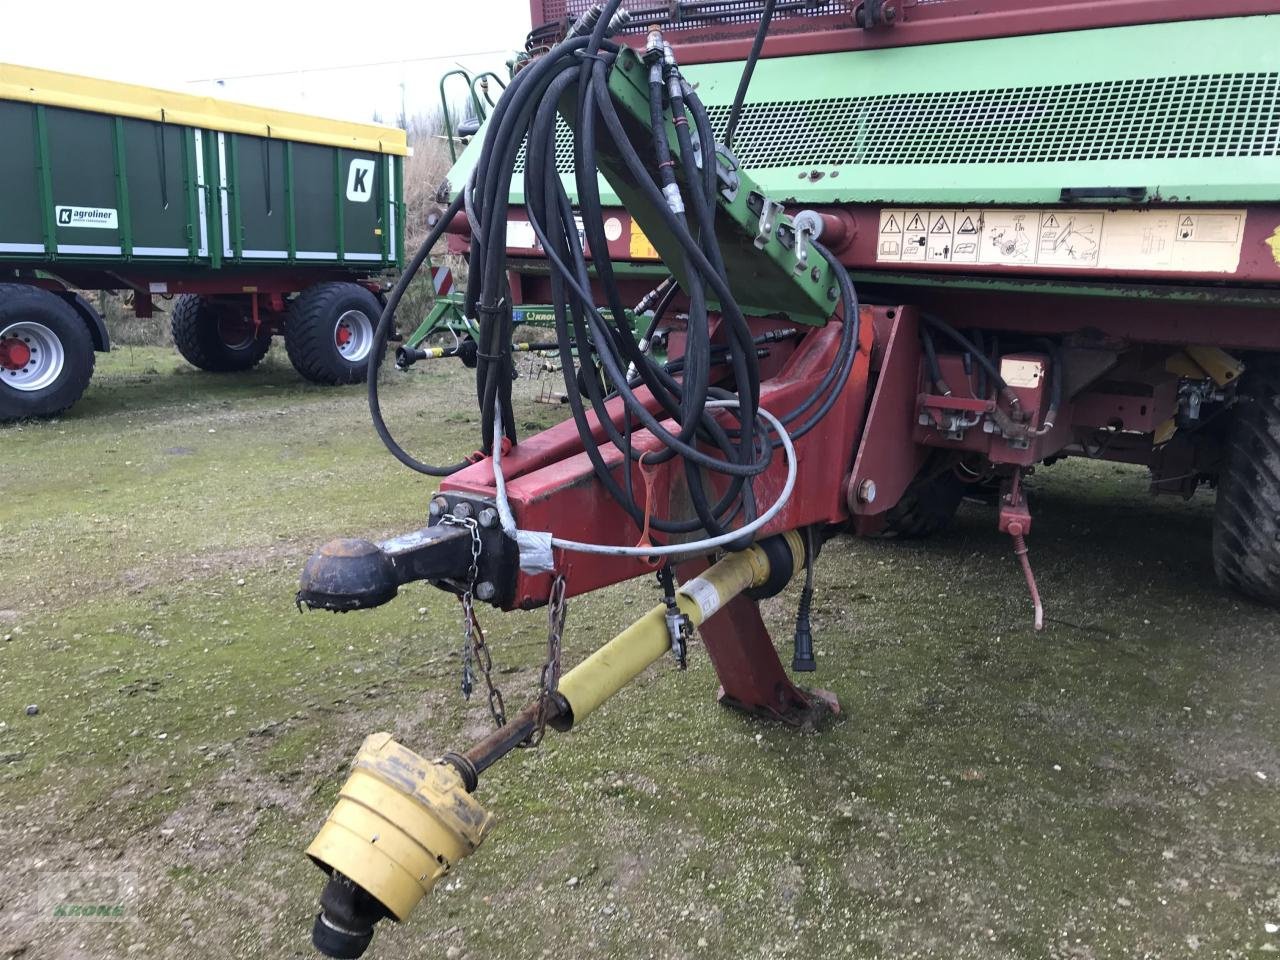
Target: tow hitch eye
(359,574)
(400,824)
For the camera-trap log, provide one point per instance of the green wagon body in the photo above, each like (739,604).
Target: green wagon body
(248,212)
(88,186)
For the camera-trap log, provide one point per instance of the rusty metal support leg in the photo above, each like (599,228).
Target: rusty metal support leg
(752,678)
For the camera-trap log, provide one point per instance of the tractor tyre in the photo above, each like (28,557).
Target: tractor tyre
(217,337)
(1246,521)
(46,353)
(926,507)
(329,334)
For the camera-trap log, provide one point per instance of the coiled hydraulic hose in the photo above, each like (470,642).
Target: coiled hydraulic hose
(690,419)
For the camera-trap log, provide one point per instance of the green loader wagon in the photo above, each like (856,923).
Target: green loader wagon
(253,222)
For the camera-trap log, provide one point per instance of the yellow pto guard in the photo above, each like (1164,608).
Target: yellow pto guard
(399,825)
(402,822)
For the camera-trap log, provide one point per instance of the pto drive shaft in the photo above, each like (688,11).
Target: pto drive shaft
(402,822)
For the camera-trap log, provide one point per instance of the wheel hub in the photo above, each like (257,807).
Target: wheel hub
(237,331)
(31,356)
(353,335)
(14,354)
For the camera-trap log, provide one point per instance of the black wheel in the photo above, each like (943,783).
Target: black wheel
(46,353)
(1246,521)
(926,507)
(329,334)
(214,336)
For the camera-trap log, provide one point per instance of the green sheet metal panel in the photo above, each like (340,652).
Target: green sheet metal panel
(315,209)
(1189,111)
(295,201)
(259,212)
(161,189)
(82,162)
(364,196)
(21,227)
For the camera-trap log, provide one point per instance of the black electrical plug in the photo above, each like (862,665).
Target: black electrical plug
(802,660)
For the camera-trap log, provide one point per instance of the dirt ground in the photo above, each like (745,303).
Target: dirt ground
(1110,788)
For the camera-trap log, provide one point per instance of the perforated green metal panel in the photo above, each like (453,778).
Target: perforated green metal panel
(1187,110)
(1156,118)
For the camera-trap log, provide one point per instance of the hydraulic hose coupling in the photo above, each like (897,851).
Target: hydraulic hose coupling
(585,23)
(653,47)
(400,824)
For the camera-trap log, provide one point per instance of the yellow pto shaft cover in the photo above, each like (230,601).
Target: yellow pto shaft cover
(400,823)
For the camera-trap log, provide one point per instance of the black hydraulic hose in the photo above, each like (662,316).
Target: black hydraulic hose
(659,311)
(582,306)
(850,310)
(980,342)
(487,296)
(380,345)
(748,69)
(616,373)
(931,361)
(964,343)
(719,461)
(1056,376)
(718,283)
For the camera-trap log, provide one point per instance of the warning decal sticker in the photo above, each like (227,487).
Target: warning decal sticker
(1180,241)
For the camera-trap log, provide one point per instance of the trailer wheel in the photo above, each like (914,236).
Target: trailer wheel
(46,353)
(1246,521)
(329,334)
(217,337)
(926,507)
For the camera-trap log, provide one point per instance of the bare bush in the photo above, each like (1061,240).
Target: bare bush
(424,174)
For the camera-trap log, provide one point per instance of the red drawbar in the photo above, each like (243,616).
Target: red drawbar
(552,486)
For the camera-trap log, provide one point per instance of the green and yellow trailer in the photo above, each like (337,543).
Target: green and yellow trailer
(246,222)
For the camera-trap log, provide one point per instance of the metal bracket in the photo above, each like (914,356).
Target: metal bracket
(500,557)
(770,211)
(727,172)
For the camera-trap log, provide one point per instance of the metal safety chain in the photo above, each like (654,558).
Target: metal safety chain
(474,648)
(549,681)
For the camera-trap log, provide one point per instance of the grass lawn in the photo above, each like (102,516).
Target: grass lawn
(1110,788)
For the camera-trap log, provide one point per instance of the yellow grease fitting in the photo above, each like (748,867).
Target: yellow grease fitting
(399,825)
(54,89)
(627,655)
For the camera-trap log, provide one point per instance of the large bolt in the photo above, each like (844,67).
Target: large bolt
(867,491)
(485,590)
(438,506)
(488,518)
(463,510)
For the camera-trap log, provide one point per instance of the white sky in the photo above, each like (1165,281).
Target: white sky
(189,45)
